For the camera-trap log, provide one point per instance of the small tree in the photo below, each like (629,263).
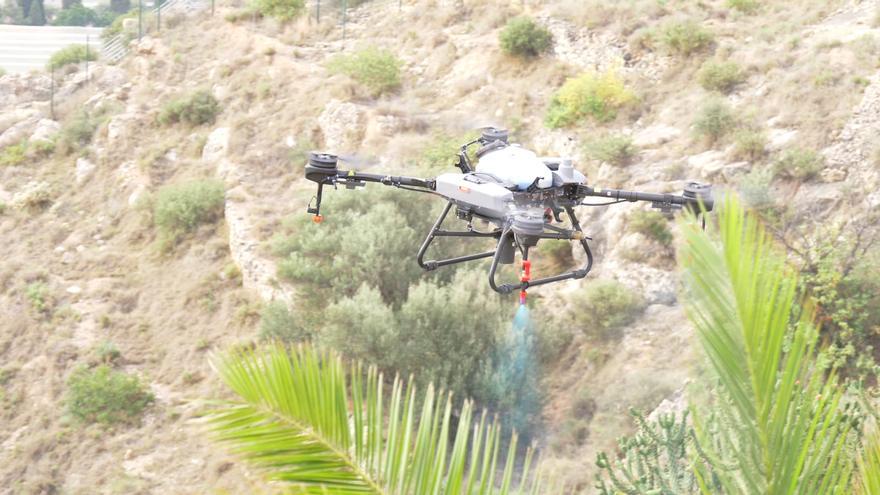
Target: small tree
(523,37)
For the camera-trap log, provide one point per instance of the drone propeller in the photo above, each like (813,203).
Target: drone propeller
(358,161)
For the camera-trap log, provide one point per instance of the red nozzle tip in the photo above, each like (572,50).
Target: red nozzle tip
(318,218)
(522,297)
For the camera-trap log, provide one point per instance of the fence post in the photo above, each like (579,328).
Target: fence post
(140,19)
(87,58)
(212,8)
(344,17)
(318,12)
(159,16)
(52,100)
(399,4)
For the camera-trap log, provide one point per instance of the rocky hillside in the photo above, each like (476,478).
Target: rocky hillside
(88,277)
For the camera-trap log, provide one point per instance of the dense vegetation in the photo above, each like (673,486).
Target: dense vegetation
(200,107)
(103,395)
(181,208)
(376,69)
(590,95)
(523,37)
(73,54)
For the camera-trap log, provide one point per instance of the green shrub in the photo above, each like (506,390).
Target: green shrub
(42,148)
(181,208)
(72,54)
(754,188)
(614,149)
(523,37)
(715,120)
(377,69)
(39,297)
(362,327)
(278,322)
(445,334)
(749,145)
(556,254)
(721,76)
(663,447)
(686,37)
(311,256)
(607,307)
(594,95)
(2,72)
(78,132)
(196,109)
(14,154)
(846,289)
(744,6)
(78,15)
(284,10)
(799,164)
(651,224)
(107,352)
(102,395)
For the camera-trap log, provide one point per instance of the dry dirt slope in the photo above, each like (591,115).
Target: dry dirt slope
(95,250)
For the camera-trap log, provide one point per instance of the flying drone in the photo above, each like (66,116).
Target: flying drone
(520,195)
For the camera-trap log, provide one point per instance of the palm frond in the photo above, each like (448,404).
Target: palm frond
(780,422)
(869,466)
(307,422)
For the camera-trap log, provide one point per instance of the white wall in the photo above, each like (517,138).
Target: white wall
(25,48)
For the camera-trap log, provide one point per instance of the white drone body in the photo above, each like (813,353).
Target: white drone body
(500,172)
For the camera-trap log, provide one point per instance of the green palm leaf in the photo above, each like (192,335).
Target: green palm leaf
(780,427)
(869,466)
(307,423)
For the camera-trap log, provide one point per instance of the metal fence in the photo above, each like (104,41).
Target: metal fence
(115,48)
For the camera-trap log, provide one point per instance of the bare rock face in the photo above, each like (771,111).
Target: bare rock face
(18,132)
(708,164)
(19,89)
(45,130)
(108,77)
(217,145)
(849,155)
(84,170)
(118,127)
(655,135)
(343,126)
(13,117)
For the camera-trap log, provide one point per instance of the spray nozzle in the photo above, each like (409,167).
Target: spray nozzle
(524,278)
(526,271)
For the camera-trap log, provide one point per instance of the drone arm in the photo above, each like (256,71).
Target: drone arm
(354,177)
(690,200)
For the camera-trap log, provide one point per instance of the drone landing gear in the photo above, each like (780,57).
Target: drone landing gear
(436,232)
(508,236)
(508,242)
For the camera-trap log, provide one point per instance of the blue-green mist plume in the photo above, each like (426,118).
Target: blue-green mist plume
(516,373)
